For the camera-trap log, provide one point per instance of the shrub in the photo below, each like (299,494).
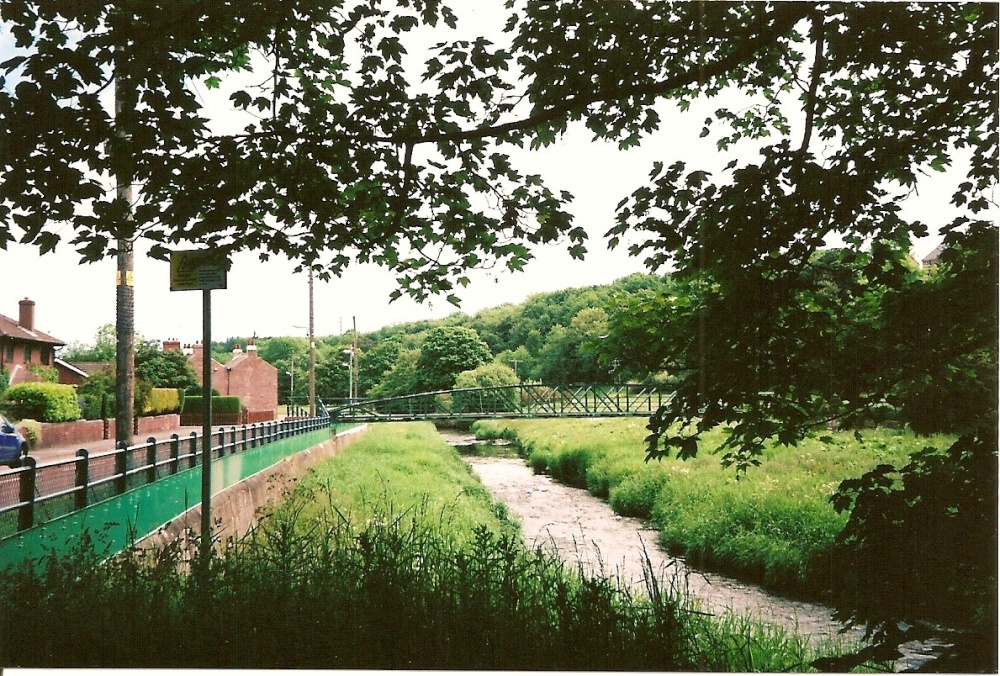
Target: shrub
(226,404)
(192,404)
(164,400)
(46,402)
(31,430)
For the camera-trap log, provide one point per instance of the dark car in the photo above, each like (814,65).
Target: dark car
(12,444)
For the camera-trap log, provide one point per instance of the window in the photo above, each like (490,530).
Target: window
(10,352)
(45,356)
(27,354)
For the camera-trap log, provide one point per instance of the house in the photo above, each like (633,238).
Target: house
(931,259)
(246,376)
(22,346)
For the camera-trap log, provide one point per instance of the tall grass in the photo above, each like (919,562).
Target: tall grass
(388,556)
(774,525)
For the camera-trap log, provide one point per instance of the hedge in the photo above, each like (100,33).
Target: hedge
(45,402)
(219,404)
(165,400)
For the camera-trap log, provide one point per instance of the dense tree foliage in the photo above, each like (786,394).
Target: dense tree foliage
(446,352)
(849,105)
(350,150)
(164,369)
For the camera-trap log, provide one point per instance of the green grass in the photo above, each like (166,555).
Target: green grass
(390,555)
(774,525)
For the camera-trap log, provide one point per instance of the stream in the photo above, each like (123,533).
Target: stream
(585,531)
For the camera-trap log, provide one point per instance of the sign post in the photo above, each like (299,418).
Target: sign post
(204,271)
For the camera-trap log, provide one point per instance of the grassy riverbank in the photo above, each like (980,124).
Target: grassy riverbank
(391,555)
(775,525)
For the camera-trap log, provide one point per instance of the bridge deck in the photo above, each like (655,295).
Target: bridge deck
(511,401)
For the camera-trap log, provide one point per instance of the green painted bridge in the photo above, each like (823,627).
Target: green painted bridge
(510,401)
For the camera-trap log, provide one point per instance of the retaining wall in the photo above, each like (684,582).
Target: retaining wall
(240,507)
(171,505)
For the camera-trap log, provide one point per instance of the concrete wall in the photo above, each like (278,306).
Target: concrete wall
(241,507)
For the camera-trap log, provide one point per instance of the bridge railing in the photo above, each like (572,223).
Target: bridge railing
(36,493)
(524,400)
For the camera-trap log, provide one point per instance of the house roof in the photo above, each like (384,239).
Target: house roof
(70,367)
(93,367)
(11,329)
(932,257)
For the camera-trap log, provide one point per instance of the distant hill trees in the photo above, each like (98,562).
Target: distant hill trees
(554,337)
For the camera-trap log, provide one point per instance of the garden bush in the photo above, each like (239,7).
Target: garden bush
(192,404)
(45,402)
(31,430)
(164,400)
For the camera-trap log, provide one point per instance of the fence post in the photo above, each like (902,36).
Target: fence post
(253,435)
(232,439)
(193,458)
(121,467)
(150,460)
(243,443)
(175,453)
(26,514)
(222,441)
(82,478)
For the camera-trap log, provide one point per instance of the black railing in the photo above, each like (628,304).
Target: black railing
(35,493)
(509,401)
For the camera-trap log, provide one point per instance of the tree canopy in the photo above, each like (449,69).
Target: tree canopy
(352,149)
(347,150)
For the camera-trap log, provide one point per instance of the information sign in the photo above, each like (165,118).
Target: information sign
(202,270)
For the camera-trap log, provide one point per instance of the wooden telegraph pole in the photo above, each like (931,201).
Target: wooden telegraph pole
(312,352)
(125,290)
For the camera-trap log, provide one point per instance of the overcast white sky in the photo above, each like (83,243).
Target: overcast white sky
(267,299)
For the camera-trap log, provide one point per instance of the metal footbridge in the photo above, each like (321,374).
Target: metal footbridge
(509,401)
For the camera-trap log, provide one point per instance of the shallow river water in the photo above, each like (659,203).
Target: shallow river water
(584,530)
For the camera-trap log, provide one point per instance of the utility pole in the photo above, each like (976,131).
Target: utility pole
(125,293)
(354,360)
(312,352)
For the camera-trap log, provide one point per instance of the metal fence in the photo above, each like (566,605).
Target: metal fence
(36,493)
(510,401)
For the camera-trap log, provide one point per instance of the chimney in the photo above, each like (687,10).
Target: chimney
(26,318)
(237,350)
(172,345)
(252,348)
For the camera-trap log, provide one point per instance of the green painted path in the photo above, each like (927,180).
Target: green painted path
(116,523)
